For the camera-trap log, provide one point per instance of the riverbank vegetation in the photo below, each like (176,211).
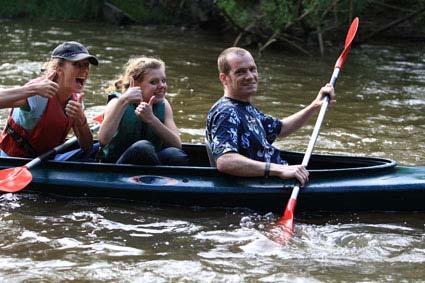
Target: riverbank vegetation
(302,24)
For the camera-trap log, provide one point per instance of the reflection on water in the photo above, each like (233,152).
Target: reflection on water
(379,113)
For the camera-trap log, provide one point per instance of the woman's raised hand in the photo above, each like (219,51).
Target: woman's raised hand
(133,94)
(75,110)
(144,110)
(46,87)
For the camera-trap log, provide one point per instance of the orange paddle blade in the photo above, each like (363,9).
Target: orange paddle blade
(98,118)
(287,220)
(280,234)
(348,40)
(14,179)
(283,231)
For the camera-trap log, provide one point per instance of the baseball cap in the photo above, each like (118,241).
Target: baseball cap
(73,51)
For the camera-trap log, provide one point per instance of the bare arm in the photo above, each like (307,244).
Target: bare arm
(83,134)
(17,97)
(114,111)
(297,120)
(239,165)
(112,118)
(74,110)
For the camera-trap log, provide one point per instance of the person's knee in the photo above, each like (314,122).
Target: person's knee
(140,152)
(173,156)
(143,146)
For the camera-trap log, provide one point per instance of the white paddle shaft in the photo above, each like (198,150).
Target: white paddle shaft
(316,130)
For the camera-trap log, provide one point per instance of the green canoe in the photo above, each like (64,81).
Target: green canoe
(337,183)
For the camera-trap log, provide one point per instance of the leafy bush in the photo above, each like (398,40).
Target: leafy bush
(51,9)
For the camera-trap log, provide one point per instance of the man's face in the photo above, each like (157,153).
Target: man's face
(242,80)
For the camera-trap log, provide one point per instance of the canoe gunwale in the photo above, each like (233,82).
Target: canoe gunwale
(365,165)
(350,164)
(381,185)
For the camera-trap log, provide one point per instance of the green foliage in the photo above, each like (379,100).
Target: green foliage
(161,12)
(277,14)
(298,20)
(51,9)
(239,10)
(141,12)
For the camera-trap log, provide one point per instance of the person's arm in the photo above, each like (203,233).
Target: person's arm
(222,126)
(83,134)
(14,97)
(17,97)
(75,112)
(297,120)
(167,131)
(236,164)
(111,119)
(114,112)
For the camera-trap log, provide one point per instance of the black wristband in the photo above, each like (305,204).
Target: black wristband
(267,169)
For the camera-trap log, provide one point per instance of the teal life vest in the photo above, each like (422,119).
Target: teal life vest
(130,130)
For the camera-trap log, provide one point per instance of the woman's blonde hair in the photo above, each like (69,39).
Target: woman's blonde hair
(135,68)
(52,65)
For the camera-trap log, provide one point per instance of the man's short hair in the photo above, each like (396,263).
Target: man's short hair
(223,63)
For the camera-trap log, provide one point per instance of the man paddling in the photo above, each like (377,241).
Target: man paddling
(239,135)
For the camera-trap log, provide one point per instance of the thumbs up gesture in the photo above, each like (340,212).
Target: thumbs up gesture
(133,94)
(75,110)
(144,110)
(45,87)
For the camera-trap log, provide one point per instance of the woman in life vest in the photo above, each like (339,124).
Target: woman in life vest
(138,125)
(46,108)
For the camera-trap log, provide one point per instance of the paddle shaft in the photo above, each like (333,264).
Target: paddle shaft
(287,219)
(55,150)
(316,131)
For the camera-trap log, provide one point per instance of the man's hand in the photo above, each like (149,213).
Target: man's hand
(290,171)
(327,90)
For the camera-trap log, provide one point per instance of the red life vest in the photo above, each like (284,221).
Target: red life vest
(50,131)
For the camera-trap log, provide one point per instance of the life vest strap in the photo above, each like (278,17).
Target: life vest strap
(22,142)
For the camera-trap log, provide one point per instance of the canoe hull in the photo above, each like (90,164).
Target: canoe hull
(346,184)
(401,190)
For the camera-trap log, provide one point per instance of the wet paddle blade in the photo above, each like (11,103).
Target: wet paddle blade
(283,231)
(287,219)
(14,179)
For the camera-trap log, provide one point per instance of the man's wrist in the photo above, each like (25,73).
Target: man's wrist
(267,169)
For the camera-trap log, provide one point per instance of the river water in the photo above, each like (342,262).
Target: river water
(379,112)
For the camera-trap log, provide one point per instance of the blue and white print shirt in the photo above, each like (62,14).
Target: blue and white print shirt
(237,126)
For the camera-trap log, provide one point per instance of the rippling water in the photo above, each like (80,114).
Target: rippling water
(380,109)
(65,239)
